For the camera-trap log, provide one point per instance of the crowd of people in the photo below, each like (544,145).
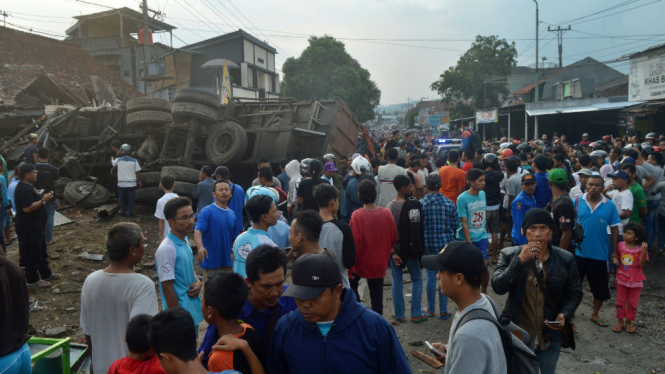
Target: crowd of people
(543,214)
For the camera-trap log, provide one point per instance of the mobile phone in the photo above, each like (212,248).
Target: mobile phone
(434,350)
(554,322)
(41,192)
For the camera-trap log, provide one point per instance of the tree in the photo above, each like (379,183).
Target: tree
(326,70)
(488,57)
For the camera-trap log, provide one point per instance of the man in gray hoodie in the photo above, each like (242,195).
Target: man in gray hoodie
(476,346)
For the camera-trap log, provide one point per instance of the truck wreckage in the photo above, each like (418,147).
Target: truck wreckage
(178,138)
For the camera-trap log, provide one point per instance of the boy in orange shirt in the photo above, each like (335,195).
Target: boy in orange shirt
(239,347)
(141,358)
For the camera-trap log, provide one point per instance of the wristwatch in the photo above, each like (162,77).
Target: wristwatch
(43,202)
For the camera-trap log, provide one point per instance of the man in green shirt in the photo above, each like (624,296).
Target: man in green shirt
(639,197)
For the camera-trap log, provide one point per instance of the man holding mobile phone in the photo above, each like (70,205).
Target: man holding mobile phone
(521,272)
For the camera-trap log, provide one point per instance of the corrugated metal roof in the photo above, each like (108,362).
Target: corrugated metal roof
(561,107)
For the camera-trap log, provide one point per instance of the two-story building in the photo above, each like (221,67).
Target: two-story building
(114,37)
(251,64)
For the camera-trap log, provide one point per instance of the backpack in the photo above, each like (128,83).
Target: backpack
(578,230)
(516,341)
(411,231)
(476,141)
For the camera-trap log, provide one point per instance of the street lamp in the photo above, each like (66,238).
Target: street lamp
(536,85)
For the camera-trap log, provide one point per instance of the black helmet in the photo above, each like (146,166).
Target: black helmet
(125,150)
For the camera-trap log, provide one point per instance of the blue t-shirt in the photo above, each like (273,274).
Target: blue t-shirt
(324,327)
(236,203)
(219,228)
(474,208)
(244,244)
(280,234)
(543,194)
(203,193)
(521,205)
(595,225)
(175,262)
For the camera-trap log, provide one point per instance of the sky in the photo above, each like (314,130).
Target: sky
(407,44)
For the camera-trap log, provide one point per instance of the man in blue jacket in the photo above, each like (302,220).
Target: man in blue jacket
(331,332)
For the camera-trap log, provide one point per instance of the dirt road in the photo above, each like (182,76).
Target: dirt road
(599,350)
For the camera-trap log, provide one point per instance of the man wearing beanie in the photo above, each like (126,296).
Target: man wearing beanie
(521,273)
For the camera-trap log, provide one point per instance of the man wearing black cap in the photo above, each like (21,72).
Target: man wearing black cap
(476,346)
(31,228)
(521,272)
(237,201)
(521,205)
(331,332)
(563,210)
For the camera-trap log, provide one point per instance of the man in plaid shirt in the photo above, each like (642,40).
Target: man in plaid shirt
(440,222)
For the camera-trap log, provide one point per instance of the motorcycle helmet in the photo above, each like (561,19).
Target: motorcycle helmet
(360,165)
(125,150)
(328,157)
(651,135)
(506,153)
(489,157)
(304,165)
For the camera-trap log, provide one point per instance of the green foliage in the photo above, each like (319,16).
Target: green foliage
(461,110)
(410,117)
(325,70)
(488,56)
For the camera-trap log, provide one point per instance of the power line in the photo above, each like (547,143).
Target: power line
(601,11)
(251,23)
(195,16)
(623,11)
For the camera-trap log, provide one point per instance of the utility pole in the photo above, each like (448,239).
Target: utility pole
(536,84)
(559,38)
(4,18)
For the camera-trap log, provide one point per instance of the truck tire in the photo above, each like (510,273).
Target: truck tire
(182,174)
(185,111)
(75,191)
(148,103)
(184,188)
(192,95)
(148,195)
(151,179)
(227,142)
(148,116)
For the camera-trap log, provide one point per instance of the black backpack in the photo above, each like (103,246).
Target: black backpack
(520,358)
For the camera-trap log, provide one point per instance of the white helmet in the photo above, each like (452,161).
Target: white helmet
(360,165)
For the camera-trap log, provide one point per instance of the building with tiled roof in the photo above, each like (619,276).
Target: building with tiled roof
(41,70)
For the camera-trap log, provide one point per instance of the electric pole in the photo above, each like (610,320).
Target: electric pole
(4,18)
(536,84)
(559,38)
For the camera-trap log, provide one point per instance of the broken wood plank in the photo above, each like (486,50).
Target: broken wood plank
(106,211)
(431,361)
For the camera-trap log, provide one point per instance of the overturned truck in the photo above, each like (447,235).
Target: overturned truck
(182,136)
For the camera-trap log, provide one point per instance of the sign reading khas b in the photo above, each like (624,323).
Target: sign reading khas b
(647,77)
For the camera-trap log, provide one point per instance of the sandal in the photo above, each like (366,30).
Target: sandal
(445,315)
(51,242)
(600,322)
(630,329)
(660,251)
(53,276)
(420,319)
(617,328)
(427,312)
(40,284)
(400,320)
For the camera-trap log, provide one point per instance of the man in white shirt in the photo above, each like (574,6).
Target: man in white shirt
(386,175)
(621,196)
(129,177)
(580,188)
(167,184)
(113,296)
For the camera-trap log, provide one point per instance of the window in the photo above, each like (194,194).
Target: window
(557,91)
(171,93)
(576,89)
(566,89)
(260,60)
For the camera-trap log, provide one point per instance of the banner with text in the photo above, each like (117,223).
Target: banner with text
(442,119)
(487,116)
(647,77)
(423,118)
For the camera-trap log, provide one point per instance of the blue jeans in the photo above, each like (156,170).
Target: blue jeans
(548,358)
(50,213)
(126,200)
(416,288)
(17,362)
(650,221)
(661,232)
(431,285)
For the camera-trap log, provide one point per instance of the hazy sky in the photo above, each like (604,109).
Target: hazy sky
(400,59)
